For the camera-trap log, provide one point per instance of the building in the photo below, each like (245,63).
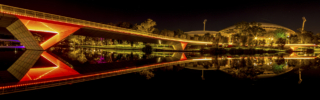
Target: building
(200,32)
(267,26)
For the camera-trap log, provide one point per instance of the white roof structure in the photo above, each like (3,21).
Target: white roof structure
(266,26)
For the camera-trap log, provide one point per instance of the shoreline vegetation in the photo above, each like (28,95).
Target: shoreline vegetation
(212,50)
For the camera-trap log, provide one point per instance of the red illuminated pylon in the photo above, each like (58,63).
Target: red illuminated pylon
(293,48)
(184,44)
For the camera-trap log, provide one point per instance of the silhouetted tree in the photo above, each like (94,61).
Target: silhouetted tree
(125,25)
(147,26)
(156,31)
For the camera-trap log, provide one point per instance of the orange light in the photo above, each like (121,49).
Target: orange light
(294,48)
(183,44)
(300,45)
(183,57)
(293,54)
(59,70)
(203,59)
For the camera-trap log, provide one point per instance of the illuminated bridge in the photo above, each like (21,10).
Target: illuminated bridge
(21,22)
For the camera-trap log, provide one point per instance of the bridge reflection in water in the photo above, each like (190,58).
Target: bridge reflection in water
(62,74)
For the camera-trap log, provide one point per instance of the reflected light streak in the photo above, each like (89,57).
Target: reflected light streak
(45,74)
(300,45)
(203,59)
(87,76)
(262,57)
(183,57)
(283,57)
(299,58)
(29,76)
(59,70)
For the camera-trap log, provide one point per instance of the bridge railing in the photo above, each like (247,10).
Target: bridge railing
(46,16)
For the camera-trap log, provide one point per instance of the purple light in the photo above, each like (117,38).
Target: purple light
(12,47)
(101,60)
(9,40)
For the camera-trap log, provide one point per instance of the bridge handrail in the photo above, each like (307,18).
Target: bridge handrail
(53,17)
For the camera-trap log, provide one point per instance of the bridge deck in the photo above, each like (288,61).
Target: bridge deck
(62,19)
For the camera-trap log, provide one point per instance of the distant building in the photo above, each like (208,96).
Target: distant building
(224,32)
(201,32)
(266,26)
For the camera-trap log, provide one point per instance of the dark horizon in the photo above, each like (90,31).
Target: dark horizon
(184,16)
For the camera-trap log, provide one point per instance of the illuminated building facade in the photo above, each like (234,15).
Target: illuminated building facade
(267,26)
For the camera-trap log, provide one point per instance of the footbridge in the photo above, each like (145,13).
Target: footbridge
(21,22)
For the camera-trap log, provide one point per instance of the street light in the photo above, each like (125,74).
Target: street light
(204,24)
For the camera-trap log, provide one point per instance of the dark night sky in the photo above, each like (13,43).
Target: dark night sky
(186,15)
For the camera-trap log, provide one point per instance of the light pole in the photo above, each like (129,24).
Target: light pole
(204,24)
(304,20)
(300,80)
(288,38)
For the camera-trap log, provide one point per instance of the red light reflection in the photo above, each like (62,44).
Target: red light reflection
(183,57)
(59,70)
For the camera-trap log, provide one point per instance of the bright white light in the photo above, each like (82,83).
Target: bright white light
(202,59)
(44,31)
